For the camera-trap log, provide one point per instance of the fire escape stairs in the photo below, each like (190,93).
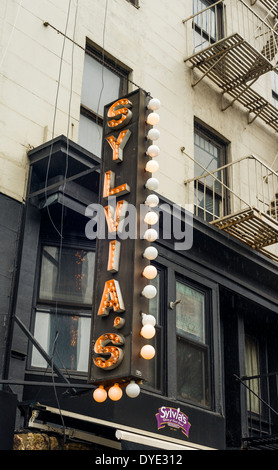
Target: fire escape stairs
(234,65)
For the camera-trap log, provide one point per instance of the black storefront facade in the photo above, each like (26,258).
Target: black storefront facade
(238,291)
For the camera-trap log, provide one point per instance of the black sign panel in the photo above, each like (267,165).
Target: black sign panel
(118,304)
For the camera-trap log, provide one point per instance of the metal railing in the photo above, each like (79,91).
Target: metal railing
(208,25)
(244,183)
(260,420)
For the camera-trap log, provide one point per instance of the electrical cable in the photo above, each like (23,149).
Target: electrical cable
(60,232)
(103,58)
(54,120)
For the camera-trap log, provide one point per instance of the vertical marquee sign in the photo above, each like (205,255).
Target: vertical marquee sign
(122,290)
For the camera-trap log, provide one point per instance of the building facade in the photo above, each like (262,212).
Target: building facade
(212,65)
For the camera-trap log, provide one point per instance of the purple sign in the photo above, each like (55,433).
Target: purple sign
(174,418)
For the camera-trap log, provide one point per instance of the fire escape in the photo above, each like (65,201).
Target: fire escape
(233,47)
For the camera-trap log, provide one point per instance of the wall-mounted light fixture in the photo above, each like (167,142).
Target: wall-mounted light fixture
(115,393)
(147,352)
(150,253)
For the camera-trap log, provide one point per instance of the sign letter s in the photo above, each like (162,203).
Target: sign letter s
(114,352)
(119,113)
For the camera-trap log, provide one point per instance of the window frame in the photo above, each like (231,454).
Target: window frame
(57,307)
(211,137)
(159,339)
(203,346)
(205,35)
(114,66)
(176,270)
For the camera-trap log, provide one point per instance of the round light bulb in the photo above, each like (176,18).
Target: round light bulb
(115,393)
(151,218)
(153,119)
(150,272)
(148,319)
(100,394)
(150,253)
(147,352)
(153,151)
(132,390)
(152,166)
(152,184)
(149,292)
(151,235)
(154,104)
(153,134)
(148,331)
(152,200)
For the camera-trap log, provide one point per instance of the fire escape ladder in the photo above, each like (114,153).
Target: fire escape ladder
(233,47)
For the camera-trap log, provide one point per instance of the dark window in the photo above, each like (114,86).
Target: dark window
(103,82)
(192,314)
(63,311)
(207,24)
(210,184)
(252,369)
(156,307)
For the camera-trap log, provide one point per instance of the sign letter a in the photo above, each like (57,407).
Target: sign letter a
(111,298)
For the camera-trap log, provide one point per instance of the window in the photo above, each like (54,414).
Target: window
(155,309)
(103,82)
(252,369)
(207,25)
(63,312)
(209,155)
(192,347)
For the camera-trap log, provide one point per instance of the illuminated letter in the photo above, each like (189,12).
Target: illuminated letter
(118,115)
(109,180)
(114,256)
(118,145)
(111,298)
(116,354)
(115,219)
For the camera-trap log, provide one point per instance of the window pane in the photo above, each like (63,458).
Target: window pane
(192,367)
(199,41)
(154,303)
(252,366)
(73,281)
(212,204)
(100,85)
(90,135)
(206,20)
(155,364)
(71,349)
(190,312)
(209,156)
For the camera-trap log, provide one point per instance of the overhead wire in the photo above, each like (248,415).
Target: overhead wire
(54,352)
(103,57)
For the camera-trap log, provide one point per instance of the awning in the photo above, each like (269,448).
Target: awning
(125,434)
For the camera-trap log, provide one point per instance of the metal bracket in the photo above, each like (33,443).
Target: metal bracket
(173,304)
(43,352)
